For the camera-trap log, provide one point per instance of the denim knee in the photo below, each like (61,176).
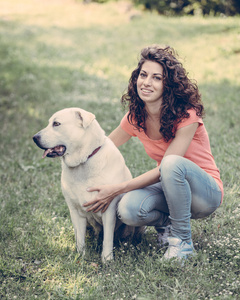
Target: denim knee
(132,212)
(169,165)
(124,211)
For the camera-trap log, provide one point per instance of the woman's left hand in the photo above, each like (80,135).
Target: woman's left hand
(106,193)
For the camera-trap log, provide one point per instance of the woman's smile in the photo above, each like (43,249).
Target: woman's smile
(147,91)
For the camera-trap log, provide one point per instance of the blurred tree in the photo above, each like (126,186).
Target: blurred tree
(204,7)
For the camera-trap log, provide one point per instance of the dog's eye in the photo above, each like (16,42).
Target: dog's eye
(55,124)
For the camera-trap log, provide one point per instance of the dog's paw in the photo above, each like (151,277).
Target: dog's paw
(81,250)
(107,258)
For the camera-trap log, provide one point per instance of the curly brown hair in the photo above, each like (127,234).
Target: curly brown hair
(179,93)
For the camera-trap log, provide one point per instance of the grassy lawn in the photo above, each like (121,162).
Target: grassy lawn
(56,54)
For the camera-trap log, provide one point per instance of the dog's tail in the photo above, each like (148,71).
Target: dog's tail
(130,233)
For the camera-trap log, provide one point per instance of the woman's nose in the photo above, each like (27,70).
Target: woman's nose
(147,81)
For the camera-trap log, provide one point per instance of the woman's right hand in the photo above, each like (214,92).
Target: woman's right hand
(105,195)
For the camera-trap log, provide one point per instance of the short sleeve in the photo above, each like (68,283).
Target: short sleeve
(127,127)
(193,118)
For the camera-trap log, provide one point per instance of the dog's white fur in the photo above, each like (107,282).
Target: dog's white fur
(80,133)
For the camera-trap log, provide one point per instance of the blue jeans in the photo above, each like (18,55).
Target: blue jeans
(185,191)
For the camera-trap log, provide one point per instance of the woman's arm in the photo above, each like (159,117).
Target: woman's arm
(119,136)
(182,140)
(106,193)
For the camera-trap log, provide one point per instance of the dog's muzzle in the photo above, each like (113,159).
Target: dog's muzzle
(58,150)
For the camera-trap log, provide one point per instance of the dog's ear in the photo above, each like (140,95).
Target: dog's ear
(85,117)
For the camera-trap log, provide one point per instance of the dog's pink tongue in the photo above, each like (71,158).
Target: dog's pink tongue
(46,152)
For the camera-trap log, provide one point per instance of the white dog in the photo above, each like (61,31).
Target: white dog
(89,158)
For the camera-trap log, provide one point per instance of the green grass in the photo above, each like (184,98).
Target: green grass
(67,54)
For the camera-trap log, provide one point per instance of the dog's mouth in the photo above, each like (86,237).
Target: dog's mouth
(54,152)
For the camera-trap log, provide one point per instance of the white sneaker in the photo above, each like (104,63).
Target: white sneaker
(179,249)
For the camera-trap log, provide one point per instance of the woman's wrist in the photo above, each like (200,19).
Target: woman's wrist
(122,188)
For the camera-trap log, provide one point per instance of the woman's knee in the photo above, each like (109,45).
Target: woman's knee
(126,210)
(133,208)
(170,164)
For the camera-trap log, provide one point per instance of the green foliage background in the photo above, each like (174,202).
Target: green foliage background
(193,7)
(189,7)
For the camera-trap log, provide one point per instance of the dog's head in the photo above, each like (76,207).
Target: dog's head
(67,133)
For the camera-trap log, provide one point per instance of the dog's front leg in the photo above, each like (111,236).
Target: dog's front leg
(80,225)
(109,222)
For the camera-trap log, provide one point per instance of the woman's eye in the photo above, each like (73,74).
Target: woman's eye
(158,78)
(55,124)
(142,75)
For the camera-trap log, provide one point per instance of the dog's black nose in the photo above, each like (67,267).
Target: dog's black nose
(36,138)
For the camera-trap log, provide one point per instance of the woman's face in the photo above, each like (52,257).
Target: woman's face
(150,82)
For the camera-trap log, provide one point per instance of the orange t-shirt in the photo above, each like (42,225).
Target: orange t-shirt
(199,150)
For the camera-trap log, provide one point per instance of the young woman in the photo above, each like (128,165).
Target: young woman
(165,113)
